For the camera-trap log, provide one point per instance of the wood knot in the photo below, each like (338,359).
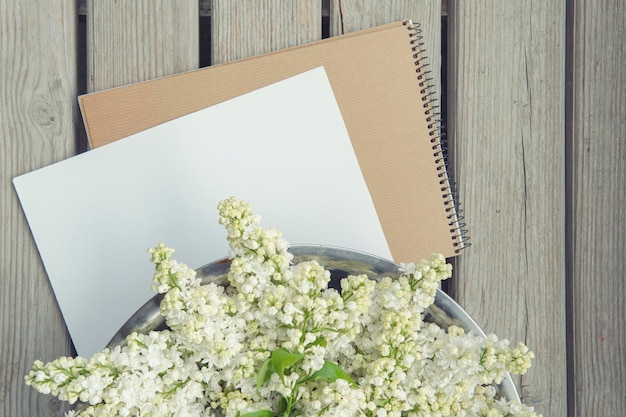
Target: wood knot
(42,111)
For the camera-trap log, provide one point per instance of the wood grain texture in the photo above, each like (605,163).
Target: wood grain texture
(506,128)
(206,7)
(242,29)
(599,208)
(37,124)
(352,15)
(134,41)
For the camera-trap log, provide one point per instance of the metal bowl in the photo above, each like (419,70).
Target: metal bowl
(341,263)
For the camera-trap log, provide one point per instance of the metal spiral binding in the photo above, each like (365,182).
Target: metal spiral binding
(437,139)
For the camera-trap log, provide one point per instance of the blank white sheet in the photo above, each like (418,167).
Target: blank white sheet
(283,148)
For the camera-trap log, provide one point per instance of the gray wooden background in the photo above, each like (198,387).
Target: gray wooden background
(535,105)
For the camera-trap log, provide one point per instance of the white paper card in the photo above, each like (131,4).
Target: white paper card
(283,148)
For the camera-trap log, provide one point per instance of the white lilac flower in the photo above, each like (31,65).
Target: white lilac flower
(277,341)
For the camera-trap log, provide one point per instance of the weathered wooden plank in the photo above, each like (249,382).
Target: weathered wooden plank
(206,6)
(506,125)
(242,29)
(135,41)
(37,124)
(351,15)
(598,224)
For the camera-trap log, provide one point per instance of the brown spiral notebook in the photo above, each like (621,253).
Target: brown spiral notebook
(381,85)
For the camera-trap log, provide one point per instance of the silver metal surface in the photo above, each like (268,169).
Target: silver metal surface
(340,262)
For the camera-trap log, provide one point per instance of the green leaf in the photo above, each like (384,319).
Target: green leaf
(282,404)
(264,374)
(331,372)
(283,359)
(260,413)
(320,341)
